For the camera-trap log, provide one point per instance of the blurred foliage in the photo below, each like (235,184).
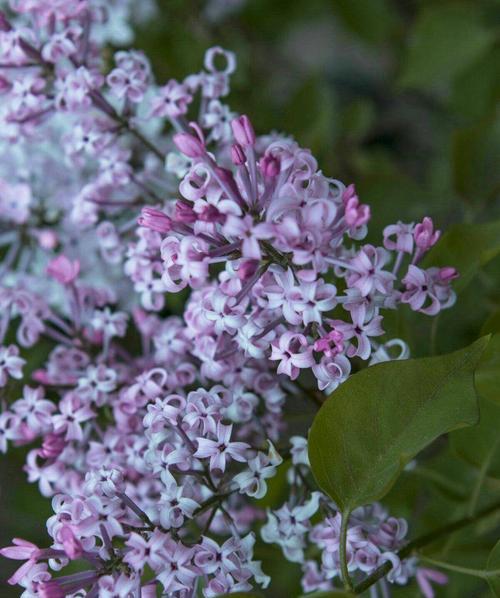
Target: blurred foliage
(400,97)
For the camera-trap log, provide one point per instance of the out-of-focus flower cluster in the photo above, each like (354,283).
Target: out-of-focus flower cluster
(156,434)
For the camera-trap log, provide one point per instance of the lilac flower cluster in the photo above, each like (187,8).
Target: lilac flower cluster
(156,435)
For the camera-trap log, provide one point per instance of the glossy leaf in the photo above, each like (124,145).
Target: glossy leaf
(466,247)
(379,419)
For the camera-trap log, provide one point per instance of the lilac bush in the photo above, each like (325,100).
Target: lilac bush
(156,435)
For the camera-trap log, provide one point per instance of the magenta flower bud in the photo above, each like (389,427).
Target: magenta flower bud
(4,84)
(247,269)
(425,235)
(50,589)
(184,212)
(4,22)
(447,274)
(63,269)
(41,376)
(226,176)
(189,145)
(269,166)
(52,446)
(211,214)
(243,131)
(237,155)
(155,220)
(71,544)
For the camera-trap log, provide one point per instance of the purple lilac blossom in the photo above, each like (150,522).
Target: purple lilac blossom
(153,455)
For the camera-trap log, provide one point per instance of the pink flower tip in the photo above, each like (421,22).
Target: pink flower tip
(189,145)
(243,131)
(63,269)
(72,546)
(155,220)
(425,235)
(269,166)
(247,269)
(41,376)
(50,589)
(212,214)
(4,22)
(184,212)
(52,446)
(238,155)
(447,274)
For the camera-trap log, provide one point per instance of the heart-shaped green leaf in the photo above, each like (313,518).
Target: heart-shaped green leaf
(380,418)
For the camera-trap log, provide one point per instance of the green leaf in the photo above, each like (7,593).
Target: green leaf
(332,594)
(466,247)
(381,417)
(372,20)
(488,371)
(477,90)
(475,153)
(447,38)
(480,445)
(493,565)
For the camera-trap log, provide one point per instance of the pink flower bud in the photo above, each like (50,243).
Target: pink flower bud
(184,212)
(63,269)
(356,214)
(41,376)
(226,176)
(447,274)
(243,131)
(425,235)
(155,220)
(237,155)
(269,166)
(211,214)
(5,85)
(4,22)
(189,145)
(331,345)
(247,269)
(53,445)
(72,546)
(50,589)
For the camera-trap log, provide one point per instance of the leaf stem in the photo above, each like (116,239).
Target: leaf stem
(343,551)
(422,541)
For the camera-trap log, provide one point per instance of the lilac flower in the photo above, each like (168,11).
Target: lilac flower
(11,365)
(221,449)
(63,269)
(149,430)
(293,352)
(15,200)
(172,100)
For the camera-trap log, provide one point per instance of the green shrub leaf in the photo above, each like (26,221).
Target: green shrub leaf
(381,417)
